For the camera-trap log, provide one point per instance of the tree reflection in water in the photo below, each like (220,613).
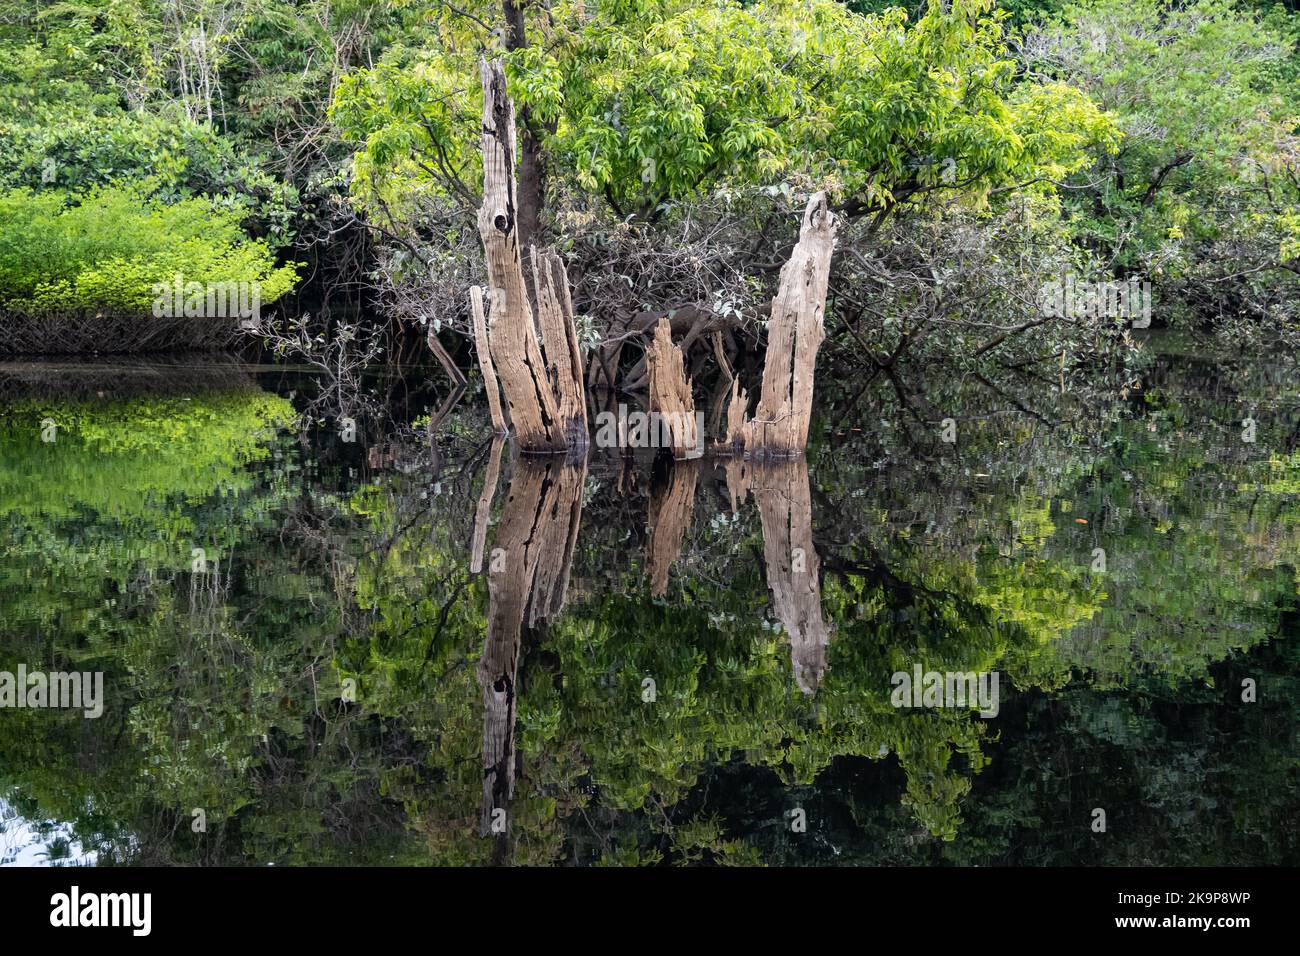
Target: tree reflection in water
(498,638)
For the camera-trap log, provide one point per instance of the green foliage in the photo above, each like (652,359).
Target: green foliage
(107,250)
(642,103)
(62,147)
(1206,184)
(124,459)
(73,116)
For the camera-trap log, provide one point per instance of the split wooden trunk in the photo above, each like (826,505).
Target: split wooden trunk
(779,426)
(530,344)
(672,409)
(540,370)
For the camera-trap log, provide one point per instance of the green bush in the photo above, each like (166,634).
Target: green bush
(76,150)
(63,126)
(105,251)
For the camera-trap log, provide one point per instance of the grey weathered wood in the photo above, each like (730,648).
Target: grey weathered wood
(779,426)
(512,334)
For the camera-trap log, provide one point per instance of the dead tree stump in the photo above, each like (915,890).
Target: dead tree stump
(534,400)
(560,350)
(672,409)
(484,352)
(779,428)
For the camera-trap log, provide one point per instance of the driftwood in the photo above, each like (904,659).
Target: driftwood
(542,408)
(793,569)
(528,573)
(779,427)
(671,406)
(445,360)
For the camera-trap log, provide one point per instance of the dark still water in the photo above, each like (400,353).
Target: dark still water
(316,650)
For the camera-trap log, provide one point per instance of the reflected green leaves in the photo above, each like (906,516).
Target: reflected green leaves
(500,634)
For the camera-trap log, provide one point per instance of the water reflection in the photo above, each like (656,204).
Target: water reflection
(671,503)
(24,842)
(793,570)
(399,650)
(528,578)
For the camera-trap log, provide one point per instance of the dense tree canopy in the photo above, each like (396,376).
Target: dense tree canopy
(291,622)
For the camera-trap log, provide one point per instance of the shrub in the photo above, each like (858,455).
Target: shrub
(105,251)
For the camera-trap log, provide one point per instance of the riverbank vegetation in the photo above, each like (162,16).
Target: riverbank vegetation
(109,249)
(974,153)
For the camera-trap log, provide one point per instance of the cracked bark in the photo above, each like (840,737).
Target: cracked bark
(560,351)
(484,352)
(779,427)
(512,335)
(672,407)
(540,371)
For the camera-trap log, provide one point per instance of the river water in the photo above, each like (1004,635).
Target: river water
(325,638)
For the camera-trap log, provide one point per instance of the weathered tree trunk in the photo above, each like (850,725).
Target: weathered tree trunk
(793,569)
(672,407)
(532,167)
(481,347)
(532,176)
(512,335)
(544,392)
(795,331)
(560,350)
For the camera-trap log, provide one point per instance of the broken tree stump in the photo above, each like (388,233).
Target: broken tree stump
(672,409)
(779,428)
(512,332)
(560,350)
(736,416)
